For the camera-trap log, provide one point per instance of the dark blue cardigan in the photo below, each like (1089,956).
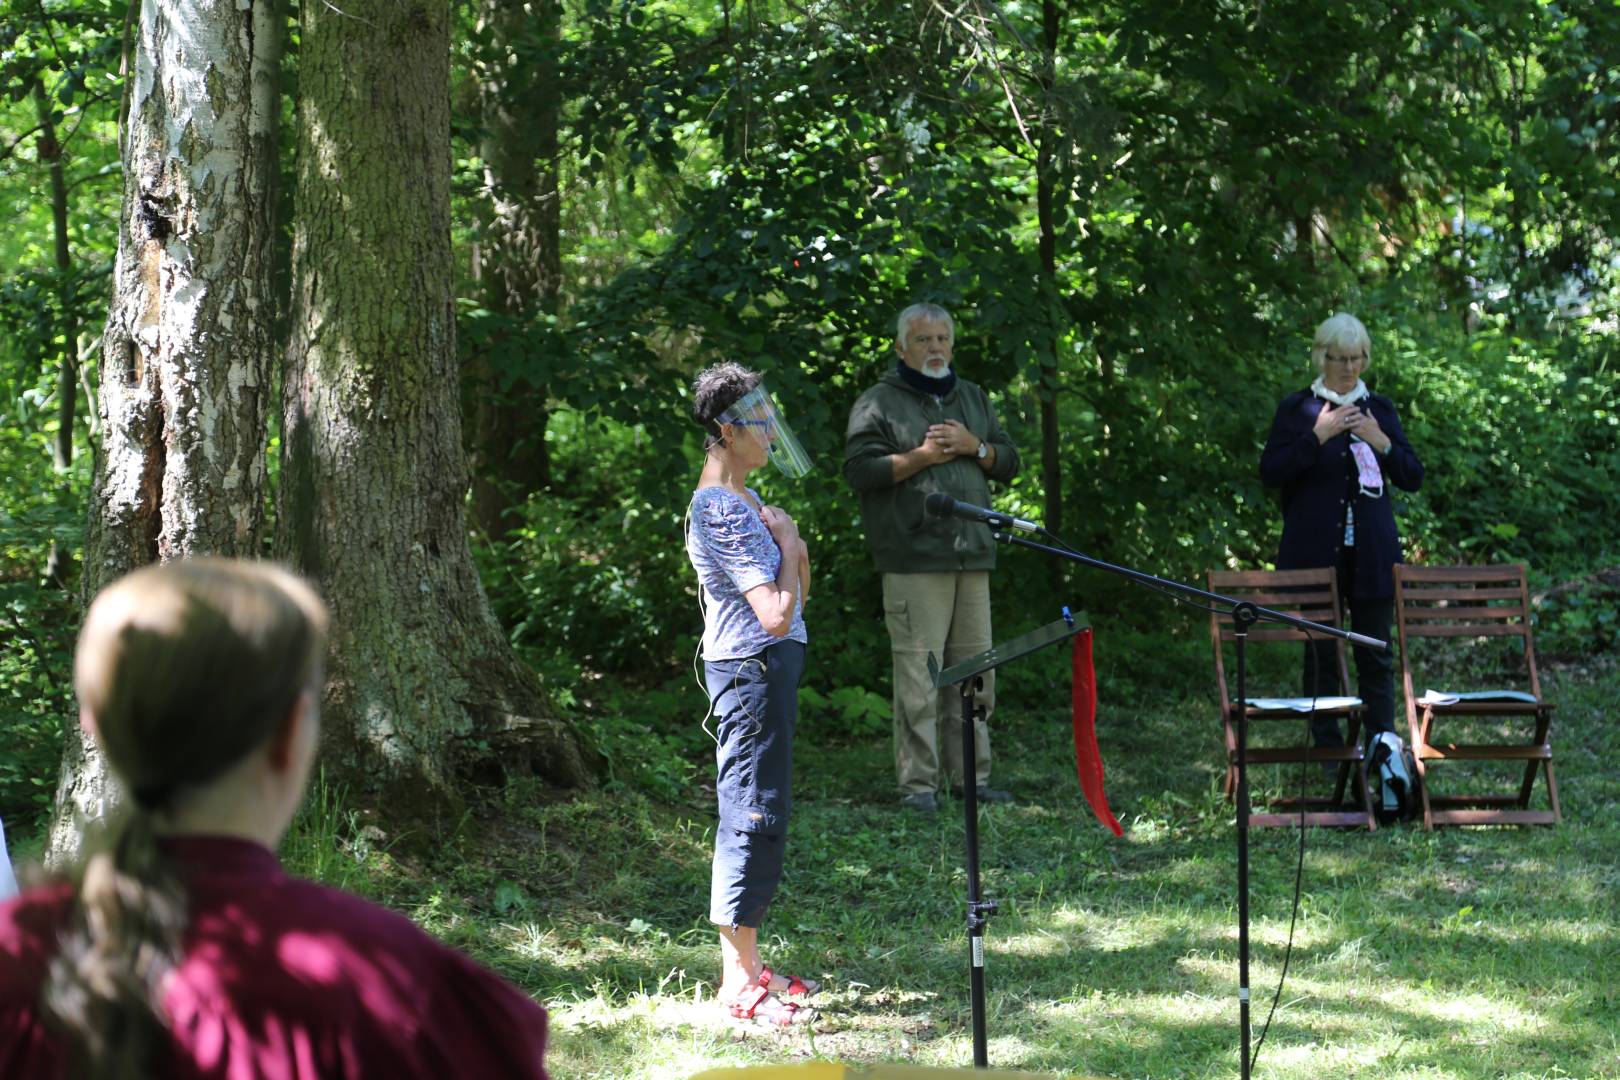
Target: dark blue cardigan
(1318,480)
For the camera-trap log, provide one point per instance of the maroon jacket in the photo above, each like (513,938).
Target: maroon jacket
(283,979)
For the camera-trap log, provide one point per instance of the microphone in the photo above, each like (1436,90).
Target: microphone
(939,504)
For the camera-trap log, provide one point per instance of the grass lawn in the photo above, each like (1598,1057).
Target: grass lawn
(1473,954)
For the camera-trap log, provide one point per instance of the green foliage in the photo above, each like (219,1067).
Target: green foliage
(1218,195)
(1581,617)
(853,711)
(58,106)
(36,698)
(38,618)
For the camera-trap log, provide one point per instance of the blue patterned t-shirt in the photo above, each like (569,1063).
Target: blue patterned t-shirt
(732,552)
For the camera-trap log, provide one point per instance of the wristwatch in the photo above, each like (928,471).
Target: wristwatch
(983,451)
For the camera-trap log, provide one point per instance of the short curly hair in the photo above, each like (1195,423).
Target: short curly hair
(717,389)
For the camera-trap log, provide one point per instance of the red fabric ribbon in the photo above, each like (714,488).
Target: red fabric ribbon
(1087,758)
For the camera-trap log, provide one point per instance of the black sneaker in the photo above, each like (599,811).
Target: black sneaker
(920,800)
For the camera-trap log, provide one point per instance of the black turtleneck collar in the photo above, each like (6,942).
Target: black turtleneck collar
(923,384)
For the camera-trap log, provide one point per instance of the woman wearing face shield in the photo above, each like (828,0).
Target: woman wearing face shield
(753,573)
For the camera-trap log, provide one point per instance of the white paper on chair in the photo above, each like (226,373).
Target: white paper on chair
(1303,704)
(1437,697)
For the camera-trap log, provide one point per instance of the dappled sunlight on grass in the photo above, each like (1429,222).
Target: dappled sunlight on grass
(1479,926)
(595,1036)
(1109,934)
(1482,1014)
(1115,1011)
(1034,944)
(1481,954)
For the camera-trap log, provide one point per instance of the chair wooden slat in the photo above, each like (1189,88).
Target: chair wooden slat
(1348,819)
(1486,753)
(1266,755)
(1276,633)
(1472,575)
(1479,629)
(1462,594)
(1450,602)
(1468,614)
(1495,817)
(1222,580)
(1287,601)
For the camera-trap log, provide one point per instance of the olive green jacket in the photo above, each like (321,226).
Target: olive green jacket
(891,418)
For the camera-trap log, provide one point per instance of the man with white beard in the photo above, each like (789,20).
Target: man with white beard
(920,430)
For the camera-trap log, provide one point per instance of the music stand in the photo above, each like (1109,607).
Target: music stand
(969,676)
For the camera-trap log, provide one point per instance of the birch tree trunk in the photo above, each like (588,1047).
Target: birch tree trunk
(372,502)
(186,362)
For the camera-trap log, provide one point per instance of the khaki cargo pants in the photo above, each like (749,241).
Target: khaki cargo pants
(947,614)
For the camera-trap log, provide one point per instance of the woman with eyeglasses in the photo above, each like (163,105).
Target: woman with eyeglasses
(1334,450)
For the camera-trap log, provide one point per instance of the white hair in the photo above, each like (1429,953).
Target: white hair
(1342,331)
(922,311)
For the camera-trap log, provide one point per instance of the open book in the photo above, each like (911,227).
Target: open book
(1303,704)
(1437,697)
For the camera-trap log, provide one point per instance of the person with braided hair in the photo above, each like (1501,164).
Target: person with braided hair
(184,950)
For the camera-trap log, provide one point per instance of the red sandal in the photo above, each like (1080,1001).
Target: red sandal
(796,987)
(760,1006)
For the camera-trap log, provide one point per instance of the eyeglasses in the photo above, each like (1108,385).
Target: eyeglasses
(1358,358)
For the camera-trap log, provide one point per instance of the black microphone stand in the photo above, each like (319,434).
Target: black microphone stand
(1244,615)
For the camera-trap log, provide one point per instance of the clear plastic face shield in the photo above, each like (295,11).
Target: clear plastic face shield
(757,416)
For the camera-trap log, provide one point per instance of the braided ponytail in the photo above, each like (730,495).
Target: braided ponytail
(185,668)
(104,990)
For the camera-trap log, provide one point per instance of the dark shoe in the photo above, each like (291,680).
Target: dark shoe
(920,800)
(987,794)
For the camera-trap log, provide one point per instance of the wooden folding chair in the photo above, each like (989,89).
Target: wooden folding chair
(1307,594)
(1466,607)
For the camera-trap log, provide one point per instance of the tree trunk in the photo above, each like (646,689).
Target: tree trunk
(1045,181)
(372,503)
(186,366)
(520,266)
(67,381)
(67,377)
